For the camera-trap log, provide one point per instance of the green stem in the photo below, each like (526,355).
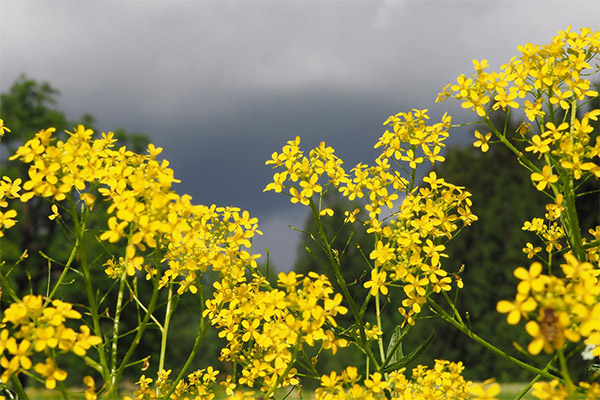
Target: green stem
(573,229)
(564,370)
(521,157)
(165,330)
(461,327)
(202,329)
(380,340)
(285,372)
(335,266)
(535,379)
(69,262)
(87,278)
(116,322)
(63,390)
(136,340)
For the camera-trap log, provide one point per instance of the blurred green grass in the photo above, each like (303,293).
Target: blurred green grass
(509,392)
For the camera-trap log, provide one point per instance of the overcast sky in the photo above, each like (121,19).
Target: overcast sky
(220,85)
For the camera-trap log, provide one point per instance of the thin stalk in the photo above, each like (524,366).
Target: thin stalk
(535,379)
(573,229)
(165,330)
(380,339)
(116,322)
(564,370)
(522,158)
(136,340)
(87,278)
(440,311)
(202,329)
(69,262)
(63,390)
(334,263)
(285,372)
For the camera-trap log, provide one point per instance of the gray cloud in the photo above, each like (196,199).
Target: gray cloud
(222,84)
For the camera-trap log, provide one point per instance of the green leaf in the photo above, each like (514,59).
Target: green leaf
(405,360)
(394,350)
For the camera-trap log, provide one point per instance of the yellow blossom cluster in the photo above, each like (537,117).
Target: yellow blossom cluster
(558,308)
(145,212)
(34,326)
(410,248)
(301,175)
(443,381)
(555,71)
(266,327)
(410,140)
(196,386)
(409,241)
(9,189)
(554,390)
(546,81)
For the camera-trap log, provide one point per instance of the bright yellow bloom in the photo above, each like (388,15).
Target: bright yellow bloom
(488,390)
(521,307)
(377,283)
(545,178)
(482,141)
(50,372)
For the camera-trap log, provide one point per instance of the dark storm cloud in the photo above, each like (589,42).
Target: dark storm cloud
(221,85)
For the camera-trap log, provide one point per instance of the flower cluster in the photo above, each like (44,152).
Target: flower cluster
(443,381)
(556,390)
(546,81)
(145,212)
(266,327)
(302,176)
(197,386)
(408,242)
(558,308)
(9,189)
(37,326)
(410,247)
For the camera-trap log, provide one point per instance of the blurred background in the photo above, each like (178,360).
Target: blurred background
(220,85)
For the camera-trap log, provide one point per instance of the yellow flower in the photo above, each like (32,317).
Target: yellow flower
(377,283)
(51,372)
(55,213)
(488,390)
(326,211)
(90,392)
(545,178)
(382,253)
(521,306)
(529,279)
(483,141)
